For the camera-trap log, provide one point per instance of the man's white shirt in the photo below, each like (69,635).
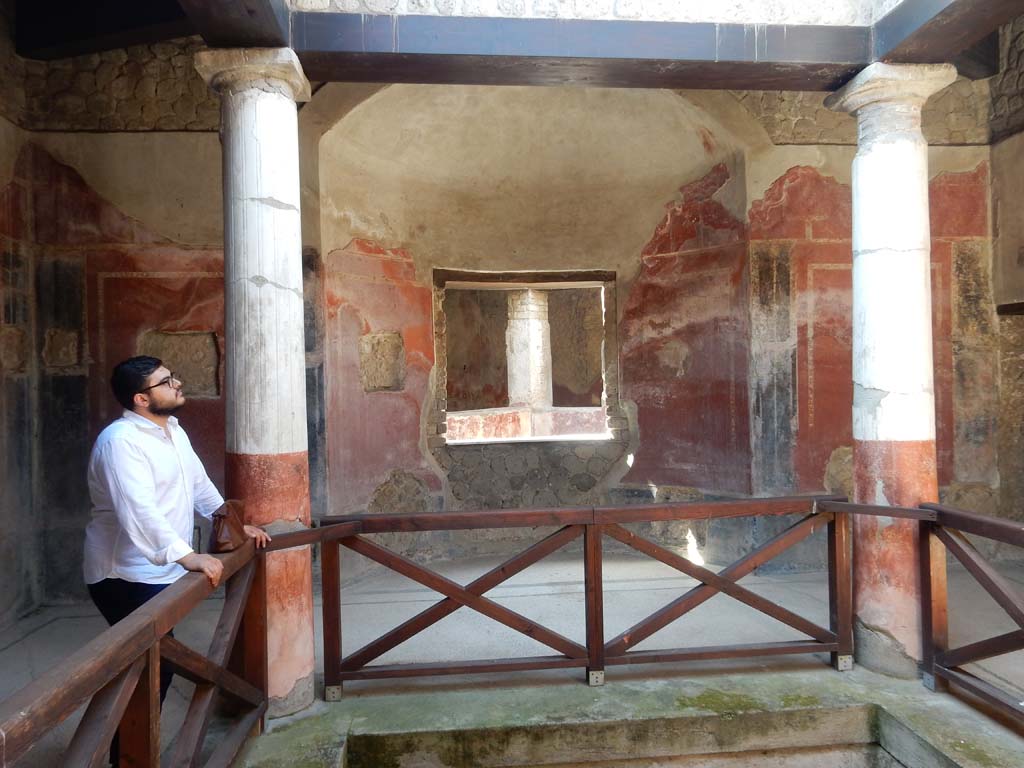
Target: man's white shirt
(145,486)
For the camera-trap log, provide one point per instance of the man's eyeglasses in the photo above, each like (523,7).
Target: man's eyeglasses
(170,381)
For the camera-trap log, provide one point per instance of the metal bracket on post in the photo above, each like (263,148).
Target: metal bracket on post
(844,662)
(595,678)
(928,680)
(332,693)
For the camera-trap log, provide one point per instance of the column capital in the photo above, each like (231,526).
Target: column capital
(228,69)
(897,84)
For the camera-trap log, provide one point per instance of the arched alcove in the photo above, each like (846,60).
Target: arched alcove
(515,177)
(416,178)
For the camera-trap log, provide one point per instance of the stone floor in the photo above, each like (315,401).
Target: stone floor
(551,593)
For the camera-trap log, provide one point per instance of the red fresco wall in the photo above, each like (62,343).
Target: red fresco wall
(161,288)
(684,346)
(136,281)
(808,216)
(372,289)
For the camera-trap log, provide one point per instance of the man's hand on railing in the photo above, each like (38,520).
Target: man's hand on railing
(262,537)
(207,564)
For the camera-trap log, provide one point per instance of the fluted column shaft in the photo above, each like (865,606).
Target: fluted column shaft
(265,394)
(893,402)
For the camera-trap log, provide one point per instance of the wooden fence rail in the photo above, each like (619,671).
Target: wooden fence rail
(943,666)
(593,524)
(118,672)
(944,529)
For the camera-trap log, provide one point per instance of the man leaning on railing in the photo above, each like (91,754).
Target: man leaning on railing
(145,483)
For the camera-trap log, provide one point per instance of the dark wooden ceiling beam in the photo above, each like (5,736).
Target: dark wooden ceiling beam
(240,23)
(480,50)
(981,60)
(442,49)
(61,28)
(935,31)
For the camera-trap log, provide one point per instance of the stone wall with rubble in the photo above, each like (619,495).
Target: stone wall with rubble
(959,114)
(1007,103)
(12,69)
(140,88)
(1008,166)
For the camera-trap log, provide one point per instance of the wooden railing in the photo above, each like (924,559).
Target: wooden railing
(592,524)
(118,672)
(945,528)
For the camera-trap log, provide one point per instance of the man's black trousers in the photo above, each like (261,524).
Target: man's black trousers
(117,598)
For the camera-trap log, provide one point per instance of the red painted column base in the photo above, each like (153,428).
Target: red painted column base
(886,580)
(275,489)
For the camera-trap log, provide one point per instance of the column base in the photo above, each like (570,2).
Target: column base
(880,652)
(300,697)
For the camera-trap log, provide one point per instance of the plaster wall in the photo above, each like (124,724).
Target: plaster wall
(468,177)
(577,335)
(500,179)
(169,181)
(104,287)
(476,322)
(800,309)
(1008,279)
(732,256)
(684,345)
(112,247)
(20,567)
(1008,224)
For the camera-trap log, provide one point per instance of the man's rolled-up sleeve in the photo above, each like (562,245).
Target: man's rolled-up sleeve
(207,498)
(129,479)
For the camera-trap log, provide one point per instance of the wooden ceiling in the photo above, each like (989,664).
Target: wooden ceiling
(501,51)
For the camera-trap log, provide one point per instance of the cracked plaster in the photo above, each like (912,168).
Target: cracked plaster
(260,281)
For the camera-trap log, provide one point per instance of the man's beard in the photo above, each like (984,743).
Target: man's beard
(169,411)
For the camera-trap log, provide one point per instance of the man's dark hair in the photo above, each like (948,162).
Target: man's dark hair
(129,378)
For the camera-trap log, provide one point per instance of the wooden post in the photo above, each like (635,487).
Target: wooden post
(251,644)
(330,574)
(934,618)
(139,734)
(840,590)
(594,597)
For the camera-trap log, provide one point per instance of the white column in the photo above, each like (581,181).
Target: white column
(528,344)
(265,368)
(893,400)
(265,390)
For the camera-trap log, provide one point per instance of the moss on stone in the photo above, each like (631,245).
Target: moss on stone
(720,702)
(800,700)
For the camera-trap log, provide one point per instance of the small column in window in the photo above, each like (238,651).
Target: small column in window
(528,345)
